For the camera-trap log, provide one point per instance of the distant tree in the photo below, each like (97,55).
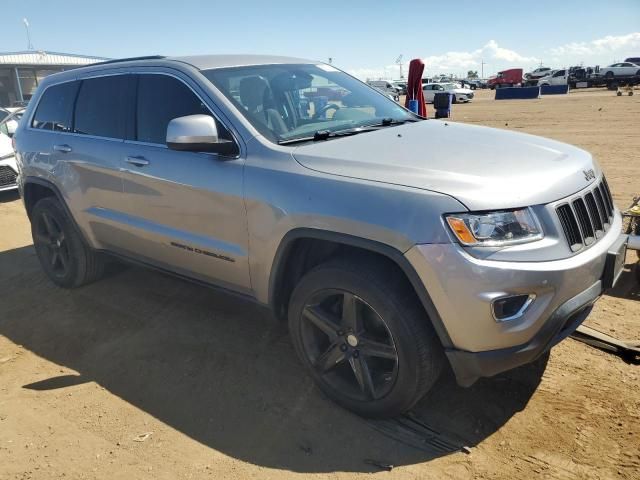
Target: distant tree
(472,74)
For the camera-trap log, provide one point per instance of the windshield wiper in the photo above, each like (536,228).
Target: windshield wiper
(326,134)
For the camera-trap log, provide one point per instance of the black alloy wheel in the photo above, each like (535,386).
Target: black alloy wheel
(349,344)
(363,336)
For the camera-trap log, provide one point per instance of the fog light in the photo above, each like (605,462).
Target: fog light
(509,308)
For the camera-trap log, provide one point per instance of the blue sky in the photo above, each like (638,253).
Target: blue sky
(363,37)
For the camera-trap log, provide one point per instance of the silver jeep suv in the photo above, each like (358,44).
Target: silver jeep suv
(396,246)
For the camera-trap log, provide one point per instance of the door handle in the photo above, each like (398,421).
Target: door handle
(62,148)
(137,161)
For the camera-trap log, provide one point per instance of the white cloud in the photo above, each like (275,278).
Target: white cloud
(599,51)
(456,62)
(491,53)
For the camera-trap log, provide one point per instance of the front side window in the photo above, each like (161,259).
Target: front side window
(55,109)
(162,98)
(102,105)
(286,102)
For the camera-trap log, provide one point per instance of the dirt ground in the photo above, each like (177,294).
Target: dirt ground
(149,377)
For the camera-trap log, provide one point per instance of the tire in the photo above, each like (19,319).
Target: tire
(66,259)
(609,75)
(454,99)
(391,319)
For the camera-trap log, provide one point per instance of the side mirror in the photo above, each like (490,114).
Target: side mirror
(198,133)
(12,126)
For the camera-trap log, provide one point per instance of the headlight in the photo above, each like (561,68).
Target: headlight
(491,229)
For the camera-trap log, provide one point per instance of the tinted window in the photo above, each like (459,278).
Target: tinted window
(55,108)
(101,108)
(161,99)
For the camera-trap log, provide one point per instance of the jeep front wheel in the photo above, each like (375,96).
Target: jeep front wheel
(364,339)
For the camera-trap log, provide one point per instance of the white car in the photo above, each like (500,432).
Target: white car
(538,73)
(620,69)
(8,167)
(387,88)
(459,94)
(557,77)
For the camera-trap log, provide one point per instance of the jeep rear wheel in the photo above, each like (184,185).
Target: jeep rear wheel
(64,256)
(365,340)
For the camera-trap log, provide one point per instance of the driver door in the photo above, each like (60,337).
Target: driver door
(185,209)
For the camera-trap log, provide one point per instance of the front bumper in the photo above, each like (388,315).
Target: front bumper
(462,289)
(470,366)
(8,173)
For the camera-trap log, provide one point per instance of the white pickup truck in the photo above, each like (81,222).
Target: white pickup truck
(556,77)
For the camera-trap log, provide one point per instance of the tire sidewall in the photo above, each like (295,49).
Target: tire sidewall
(402,394)
(75,247)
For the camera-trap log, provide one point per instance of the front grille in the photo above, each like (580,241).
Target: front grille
(584,221)
(7,176)
(586,217)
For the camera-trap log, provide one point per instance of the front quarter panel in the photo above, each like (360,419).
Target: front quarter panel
(282,196)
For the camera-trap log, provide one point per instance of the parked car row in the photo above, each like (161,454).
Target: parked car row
(628,69)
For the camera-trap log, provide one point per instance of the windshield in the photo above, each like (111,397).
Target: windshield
(285,102)
(450,86)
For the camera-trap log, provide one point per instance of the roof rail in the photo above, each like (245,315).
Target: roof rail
(130,59)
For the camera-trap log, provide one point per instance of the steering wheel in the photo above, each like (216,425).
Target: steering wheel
(324,110)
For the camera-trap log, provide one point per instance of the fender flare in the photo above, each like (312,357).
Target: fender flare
(393,254)
(58,194)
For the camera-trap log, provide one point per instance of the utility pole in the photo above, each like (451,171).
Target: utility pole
(26,25)
(482,64)
(399,62)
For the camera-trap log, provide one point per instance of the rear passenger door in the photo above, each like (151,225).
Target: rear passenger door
(79,128)
(185,210)
(102,115)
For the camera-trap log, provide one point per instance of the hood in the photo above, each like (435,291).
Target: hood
(484,168)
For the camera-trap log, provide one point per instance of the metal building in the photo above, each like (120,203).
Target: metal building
(20,72)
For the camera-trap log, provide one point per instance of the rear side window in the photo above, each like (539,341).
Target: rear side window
(161,99)
(55,109)
(102,106)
